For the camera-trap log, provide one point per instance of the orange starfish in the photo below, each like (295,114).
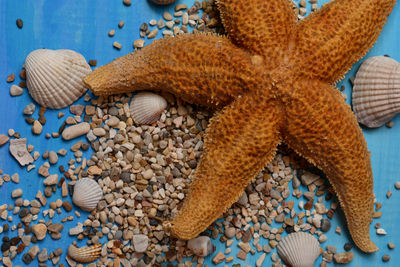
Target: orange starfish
(274,77)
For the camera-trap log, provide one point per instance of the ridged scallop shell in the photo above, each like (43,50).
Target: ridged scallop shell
(299,249)
(84,254)
(376,91)
(146,107)
(55,77)
(87,193)
(201,246)
(163,2)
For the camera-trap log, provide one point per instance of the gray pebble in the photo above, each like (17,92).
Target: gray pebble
(29,109)
(325,225)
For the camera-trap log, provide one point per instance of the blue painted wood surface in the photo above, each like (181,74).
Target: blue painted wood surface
(83,26)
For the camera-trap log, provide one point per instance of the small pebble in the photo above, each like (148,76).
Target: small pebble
(111,33)
(15,90)
(121,24)
(37,127)
(11,78)
(391,245)
(93,62)
(397,185)
(348,246)
(325,225)
(19,23)
(127,2)
(117,45)
(29,109)
(386,258)
(344,257)
(39,230)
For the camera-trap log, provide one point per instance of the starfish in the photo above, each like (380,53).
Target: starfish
(271,80)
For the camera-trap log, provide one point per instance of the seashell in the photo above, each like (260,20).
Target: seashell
(146,107)
(55,77)
(163,2)
(376,91)
(299,249)
(19,151)
(84,254)
(201,246)
(87,193)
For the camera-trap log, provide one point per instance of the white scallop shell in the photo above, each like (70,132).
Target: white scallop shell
(299,249)
(55,77)
(84,254)
(376,91)
(146,107)
(201,246)
(87,193)
(163,2)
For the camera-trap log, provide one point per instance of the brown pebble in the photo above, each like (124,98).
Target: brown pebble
(42,120)
(19,23)
(121,24)
(93,62)
(29,120)
(11,78)
(22,84)
(344,257)
(20,248)
(220,257)
(389,124)
(127,2)
(308,205)
(42,110)
(111,33)
(67,206)
(22,74)
(386,258)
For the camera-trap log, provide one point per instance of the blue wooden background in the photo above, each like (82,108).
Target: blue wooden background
(83,26)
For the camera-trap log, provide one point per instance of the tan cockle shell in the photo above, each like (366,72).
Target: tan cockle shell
(87,193)
(146,107)
(376,91)
(163,2)
(54,77)
(299,249)
(84,254)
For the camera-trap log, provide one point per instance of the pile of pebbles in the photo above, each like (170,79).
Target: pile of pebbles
(145,172)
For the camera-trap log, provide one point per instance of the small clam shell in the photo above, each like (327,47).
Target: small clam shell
(299,249)
(376,91)
(84,254)
(87,193)
(55,77)
(201,246)
(146,107)
(163,2)
(19,151)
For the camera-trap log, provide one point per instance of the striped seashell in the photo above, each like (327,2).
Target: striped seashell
(146,107)
(84,254)
(55,77)
(201,246)
(87,193)
(376,91)
(163,2)
(299,249)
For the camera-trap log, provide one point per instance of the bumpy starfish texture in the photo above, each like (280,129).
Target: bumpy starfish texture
(271,80)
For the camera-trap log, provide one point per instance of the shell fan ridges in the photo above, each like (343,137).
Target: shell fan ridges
(146,107)
(55,77)
(87,193)
(84,254)
(299,249)
(376,91)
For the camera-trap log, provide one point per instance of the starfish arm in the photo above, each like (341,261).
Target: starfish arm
(240,141)
(262,26)
(202,69)
(340,33)
(322,128)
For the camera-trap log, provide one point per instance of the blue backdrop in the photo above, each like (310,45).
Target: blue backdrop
(83,26)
